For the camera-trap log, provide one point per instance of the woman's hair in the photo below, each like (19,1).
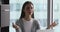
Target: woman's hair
(23,7)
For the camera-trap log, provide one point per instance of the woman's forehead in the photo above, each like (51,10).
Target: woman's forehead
(29,5)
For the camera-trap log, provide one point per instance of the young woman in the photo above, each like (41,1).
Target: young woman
(26,22)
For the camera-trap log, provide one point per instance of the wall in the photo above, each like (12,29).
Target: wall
(5,15)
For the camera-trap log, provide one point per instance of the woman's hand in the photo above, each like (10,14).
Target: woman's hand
(15,26)
(52,25)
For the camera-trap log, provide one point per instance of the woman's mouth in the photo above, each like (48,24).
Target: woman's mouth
(29,12)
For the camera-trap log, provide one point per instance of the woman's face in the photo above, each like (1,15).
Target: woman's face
(29,9)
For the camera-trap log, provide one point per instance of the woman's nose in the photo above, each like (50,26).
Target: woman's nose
(30,9)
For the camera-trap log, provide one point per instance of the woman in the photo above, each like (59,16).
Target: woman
(26,22)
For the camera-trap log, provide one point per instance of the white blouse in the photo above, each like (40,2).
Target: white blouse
(27,25)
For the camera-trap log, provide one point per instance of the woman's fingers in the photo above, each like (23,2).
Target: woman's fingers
(15,26)
(53,24)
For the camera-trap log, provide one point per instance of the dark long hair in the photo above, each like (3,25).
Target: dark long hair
(23,7)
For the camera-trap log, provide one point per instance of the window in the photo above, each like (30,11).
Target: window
(56,14)
(40,13)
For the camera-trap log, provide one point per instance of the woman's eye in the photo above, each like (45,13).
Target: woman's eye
(31,7)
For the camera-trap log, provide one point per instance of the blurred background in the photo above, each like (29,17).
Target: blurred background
(40,12)
(11,11)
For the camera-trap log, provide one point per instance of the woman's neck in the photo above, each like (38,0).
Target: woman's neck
(28,17)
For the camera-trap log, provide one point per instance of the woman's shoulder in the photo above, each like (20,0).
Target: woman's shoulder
(18,20)
(35,20)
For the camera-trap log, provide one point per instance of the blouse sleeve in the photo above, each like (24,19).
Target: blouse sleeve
(17,23)
(38,27)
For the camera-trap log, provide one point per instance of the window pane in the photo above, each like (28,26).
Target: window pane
(56,14)
(40,13)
